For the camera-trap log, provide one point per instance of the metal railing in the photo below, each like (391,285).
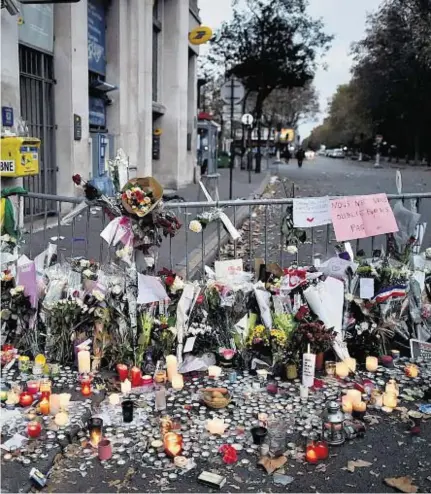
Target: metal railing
(187,253)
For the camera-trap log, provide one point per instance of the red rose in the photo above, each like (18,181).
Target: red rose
(200,299)
(139,195)
(169,280)
(77,179)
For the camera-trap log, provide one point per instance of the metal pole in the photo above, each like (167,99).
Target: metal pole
(249,154)
(232,145)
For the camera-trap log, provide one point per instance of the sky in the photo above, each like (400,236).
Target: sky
(344,19)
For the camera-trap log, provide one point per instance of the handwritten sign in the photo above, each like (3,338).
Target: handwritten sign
(362,216)
(311,211)
(420,349)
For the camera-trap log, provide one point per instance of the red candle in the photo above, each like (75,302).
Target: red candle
(123,371)
(33,387)
(322,450)
(33,429)
(25,399)
(86,387)
(136,376)
(311,455)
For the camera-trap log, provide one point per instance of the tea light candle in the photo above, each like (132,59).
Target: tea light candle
(61,419)
(360,407)
(346,404)
(44,406)
(25,399)
(392,387)
(214,371)
(389,399)
(33,429)
(262,373)
(114,399)
(64,401)
(84,361)
(173,443)
(303,392)
(54,404)
(177,382)
(263,418)
(412,370)
(311,455)
(126,387)
(216,426)
(351,364)
(171,366)
(371,364)
(354,395)
(341,370)
(33,387)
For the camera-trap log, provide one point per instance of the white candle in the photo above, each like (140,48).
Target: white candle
(216,426)
(64,401)
(171,366)
(126,386)
(214,371)
(392,387)
(390,399)
(308,368)
(351,364)
(303,392)
(346,403)
(341,369)
(54,404)
(354,396)
(84,361)
(177,382)
(114,399)
(371,364)
(262,373)
(61,419)
(161,398)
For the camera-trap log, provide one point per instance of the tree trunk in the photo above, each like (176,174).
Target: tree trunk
(417,151)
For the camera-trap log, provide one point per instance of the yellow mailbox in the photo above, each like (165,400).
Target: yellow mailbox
(19,156)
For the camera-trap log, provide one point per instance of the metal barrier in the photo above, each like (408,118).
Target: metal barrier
(188,252)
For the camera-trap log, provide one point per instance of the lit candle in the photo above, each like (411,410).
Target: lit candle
(214,371)
(45,387)
(351,364)
(44,406)
(412,370)
(33,429)
(346,403)
(177,382)
(342,370)
(262,373)
(136,377)
(114,399)
(61,419)
(389,400)
(84,361)
(216,426)
(64,401)
(171,366)
(376,398)
(354,395)
(126,387)
(33,387)
(322,450)
(392,387)
(95,429)
(371,364)
(86,386)
(123,371)
(311,455)
(360,407)
(25,399)
(173,443)
(54,404)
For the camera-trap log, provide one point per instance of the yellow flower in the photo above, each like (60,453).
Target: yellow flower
(147,200)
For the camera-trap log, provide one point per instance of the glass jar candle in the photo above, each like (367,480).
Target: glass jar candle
(33,387)
(86,386)
(44,406)
(45,386)
(330,367)
(95,426)
(24,364)
(135,377)
(272,387)
(25,399)
(123,372)
(34,429)
(371,364)
(173,444)
(310,451)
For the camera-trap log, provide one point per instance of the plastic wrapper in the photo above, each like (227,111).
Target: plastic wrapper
(57,282)
(407,222)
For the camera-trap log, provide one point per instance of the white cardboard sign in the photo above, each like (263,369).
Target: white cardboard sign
(311,211)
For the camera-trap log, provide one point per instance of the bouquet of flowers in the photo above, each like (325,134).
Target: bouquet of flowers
(138,200)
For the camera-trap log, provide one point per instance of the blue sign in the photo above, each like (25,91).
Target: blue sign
(97,112)
(96,37)
(7,116)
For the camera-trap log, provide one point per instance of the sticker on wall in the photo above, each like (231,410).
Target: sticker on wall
(200,35)
(157,132)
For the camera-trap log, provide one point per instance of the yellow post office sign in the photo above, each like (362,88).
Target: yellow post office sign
(200,35)
(19,156)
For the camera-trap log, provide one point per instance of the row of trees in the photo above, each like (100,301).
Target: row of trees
(389,93)
(273,47)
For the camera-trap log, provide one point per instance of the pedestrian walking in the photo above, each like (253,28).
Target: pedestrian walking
(300,155)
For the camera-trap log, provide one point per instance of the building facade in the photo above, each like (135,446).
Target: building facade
(98,75)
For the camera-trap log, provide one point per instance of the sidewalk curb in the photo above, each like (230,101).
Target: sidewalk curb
(212,242)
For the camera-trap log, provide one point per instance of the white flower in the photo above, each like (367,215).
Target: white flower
(292,249)
(173,330)
(178,284)
(116,290)
(195,226)
(19,288)
(98,295)
(428,253)
(84,263)
(5,238)
(349,297)
(87,273)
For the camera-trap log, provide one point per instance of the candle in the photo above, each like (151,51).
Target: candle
(214,371)
(216,426)
(136,377)
(44,406)
(84,361)
(123,371)
(177,382)
(360,407)
(342,370)
(376,398)
(33,429)
(61,419)
(85,386)
(322,450)
(126,387)
(114,399)
(303,392)
(160,398)
(263,418)
(160,377)
(308,368)
(392,387)
(172,366)
(371,364)
(389,399)
(346,404)
(95,429)
(262,373)
(54,404)
(12,398)
(173,443)
(33,387)
(330,367)
(25,399)
(311,455)
(395,354)
(412,370)
(3,395)
(64,401)
(45,386)
(351,364)
(354,395)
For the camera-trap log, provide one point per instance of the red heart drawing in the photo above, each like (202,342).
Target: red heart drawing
(310,220)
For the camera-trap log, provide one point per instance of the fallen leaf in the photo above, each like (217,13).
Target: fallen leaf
(351,465)
(374,473)
(403,484)
(112,483)
(272,464)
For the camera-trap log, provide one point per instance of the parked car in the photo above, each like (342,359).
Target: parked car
(338,153)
